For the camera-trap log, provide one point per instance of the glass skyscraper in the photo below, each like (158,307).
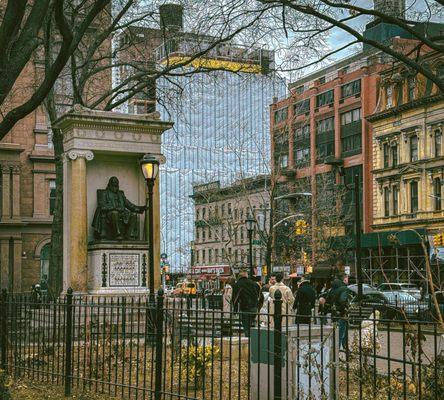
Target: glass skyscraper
(221,132)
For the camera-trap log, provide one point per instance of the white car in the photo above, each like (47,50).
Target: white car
(409,288)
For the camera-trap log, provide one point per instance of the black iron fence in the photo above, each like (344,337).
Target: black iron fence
(173,348)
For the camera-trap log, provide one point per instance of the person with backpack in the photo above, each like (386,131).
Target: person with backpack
(338,297)
(246,300)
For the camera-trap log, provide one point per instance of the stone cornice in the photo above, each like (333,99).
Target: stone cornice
(12,147)
(83,118)
(393,112)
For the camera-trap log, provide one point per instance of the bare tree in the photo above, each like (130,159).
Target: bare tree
(24,25)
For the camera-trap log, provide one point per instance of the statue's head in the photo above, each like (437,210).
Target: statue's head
(113,184)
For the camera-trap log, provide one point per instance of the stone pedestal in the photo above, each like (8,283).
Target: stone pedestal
(118,268)
(309,362)
(97,146)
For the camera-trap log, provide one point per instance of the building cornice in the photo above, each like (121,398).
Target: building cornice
(394,112)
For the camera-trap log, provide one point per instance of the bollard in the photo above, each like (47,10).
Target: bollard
(277,345)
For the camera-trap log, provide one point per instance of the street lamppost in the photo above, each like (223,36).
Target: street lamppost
(249,222)
(150,169)
(338,165)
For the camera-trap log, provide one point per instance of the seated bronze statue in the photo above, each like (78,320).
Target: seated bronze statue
(115,217)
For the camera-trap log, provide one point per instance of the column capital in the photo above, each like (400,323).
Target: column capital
(88,155)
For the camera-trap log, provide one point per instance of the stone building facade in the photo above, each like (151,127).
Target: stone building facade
(408,162)
(27,192)
(221,236)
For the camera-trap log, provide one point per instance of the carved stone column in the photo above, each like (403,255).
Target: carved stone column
(78,234)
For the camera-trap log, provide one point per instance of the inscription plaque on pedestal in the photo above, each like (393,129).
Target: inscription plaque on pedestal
(124,270)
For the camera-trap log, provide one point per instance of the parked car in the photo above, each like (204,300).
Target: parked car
(405,306)
(409,288)
(372,299)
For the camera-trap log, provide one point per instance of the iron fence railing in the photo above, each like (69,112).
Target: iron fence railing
(173,348)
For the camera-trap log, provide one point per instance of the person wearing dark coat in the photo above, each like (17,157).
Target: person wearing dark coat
(246,300)
(338,298)
(304,302)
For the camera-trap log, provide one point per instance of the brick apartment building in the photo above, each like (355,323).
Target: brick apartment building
(221,237)
(324,119)
(322,125)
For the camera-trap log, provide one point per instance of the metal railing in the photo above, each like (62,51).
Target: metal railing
(127,347)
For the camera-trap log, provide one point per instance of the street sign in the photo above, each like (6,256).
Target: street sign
(300,270)
(281,268)
(256,241)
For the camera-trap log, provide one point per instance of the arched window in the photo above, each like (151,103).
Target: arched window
(44,261)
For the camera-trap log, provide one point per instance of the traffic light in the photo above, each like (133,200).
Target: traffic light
(301,227)
(264,270)
(438,240)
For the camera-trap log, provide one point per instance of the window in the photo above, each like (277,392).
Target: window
(389,95)
(386,151)
(203,235)
(222,210)
(280,115)
(350,89)
(236,255)
(283,163)
(302,157)
(52,196)
(301,107)
(386,202)
(204,210)
(351,116)
(299,89)
(325,98)
(351,132)
(210,233)
(325,125)
(281,150)
(437,193)
(413,148)
(210,256)
(302,132)
(413,197)
(197,234)
(216,255)
(395,199)
(203,257)
(394,156)
(411,84)
(44,261)
(438,140)
(229,209)
(197,214)
(242,234)
(325,139)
